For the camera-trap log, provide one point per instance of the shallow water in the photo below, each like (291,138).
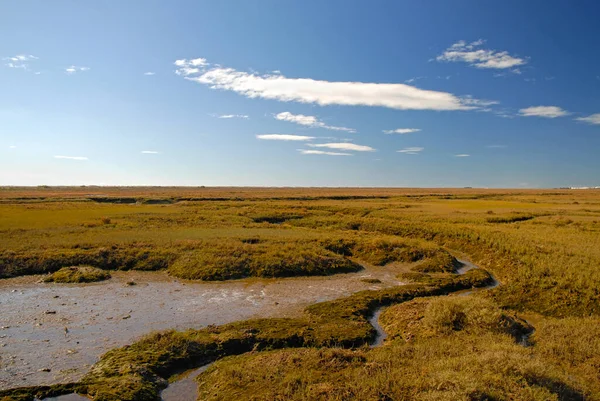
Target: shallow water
(184,388)
(67,397)
(381,334)
(53,333)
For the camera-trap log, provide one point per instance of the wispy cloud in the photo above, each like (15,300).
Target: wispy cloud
(462,155)
(543,111)
(12,147)
(593,119)
(402,131)
(496,146)
(149,73)
(233,116)
(322,152)
(285,137)
(75,69)
(307,90)
(187,67)
(415,79)
(472,54)
(344,146)
(71,157)
(415,150)
(19,61)
(150,152)
(309,121)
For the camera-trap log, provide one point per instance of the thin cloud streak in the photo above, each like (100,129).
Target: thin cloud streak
(344,146)
(322,152)
(462,155)
(71,157)
(402,131)
(415,150)
(309,121)
(543,111)
(75,69)
(150,152)
(227,116)
(307,90)
(284,137)
(592,119)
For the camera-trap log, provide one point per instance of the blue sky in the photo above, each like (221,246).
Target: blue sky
(312,93)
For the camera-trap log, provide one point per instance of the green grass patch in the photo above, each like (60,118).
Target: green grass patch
(77,274)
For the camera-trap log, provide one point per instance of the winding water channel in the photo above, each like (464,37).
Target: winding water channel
(53,333)
(185,388)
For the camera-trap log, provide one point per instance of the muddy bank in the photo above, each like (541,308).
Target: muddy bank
(53,333)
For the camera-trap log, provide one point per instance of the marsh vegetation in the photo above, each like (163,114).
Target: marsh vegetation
(543,246)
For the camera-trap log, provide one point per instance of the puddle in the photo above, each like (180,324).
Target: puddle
(184,388)
(67,397)
(53,333)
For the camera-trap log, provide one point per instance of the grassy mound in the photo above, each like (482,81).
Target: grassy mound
(381,250)
(472,367)
(231,259)
(132,256)
(441,262)
(77,274)
(429,318)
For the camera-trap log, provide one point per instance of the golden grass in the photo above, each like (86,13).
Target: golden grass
(77,274)
(543,246)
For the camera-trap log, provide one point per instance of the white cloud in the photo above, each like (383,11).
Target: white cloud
(150,152)
(410,81)
(307,90)
(480,58)
(593,119)
(344,146)
(233,116)
(462,155)
(71,157)
(19,61)
(190,67)
(12,147)
(543,111)
(149,73)
(74,69)
(402,130)
(309,121)
(285,137)
(415,150)
(322,152)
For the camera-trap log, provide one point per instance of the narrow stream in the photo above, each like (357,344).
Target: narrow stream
(381,334)
(185,388)
(466,266)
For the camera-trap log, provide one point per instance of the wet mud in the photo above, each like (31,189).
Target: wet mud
(52,333)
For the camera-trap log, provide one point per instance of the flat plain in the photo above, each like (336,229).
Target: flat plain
(536,336)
